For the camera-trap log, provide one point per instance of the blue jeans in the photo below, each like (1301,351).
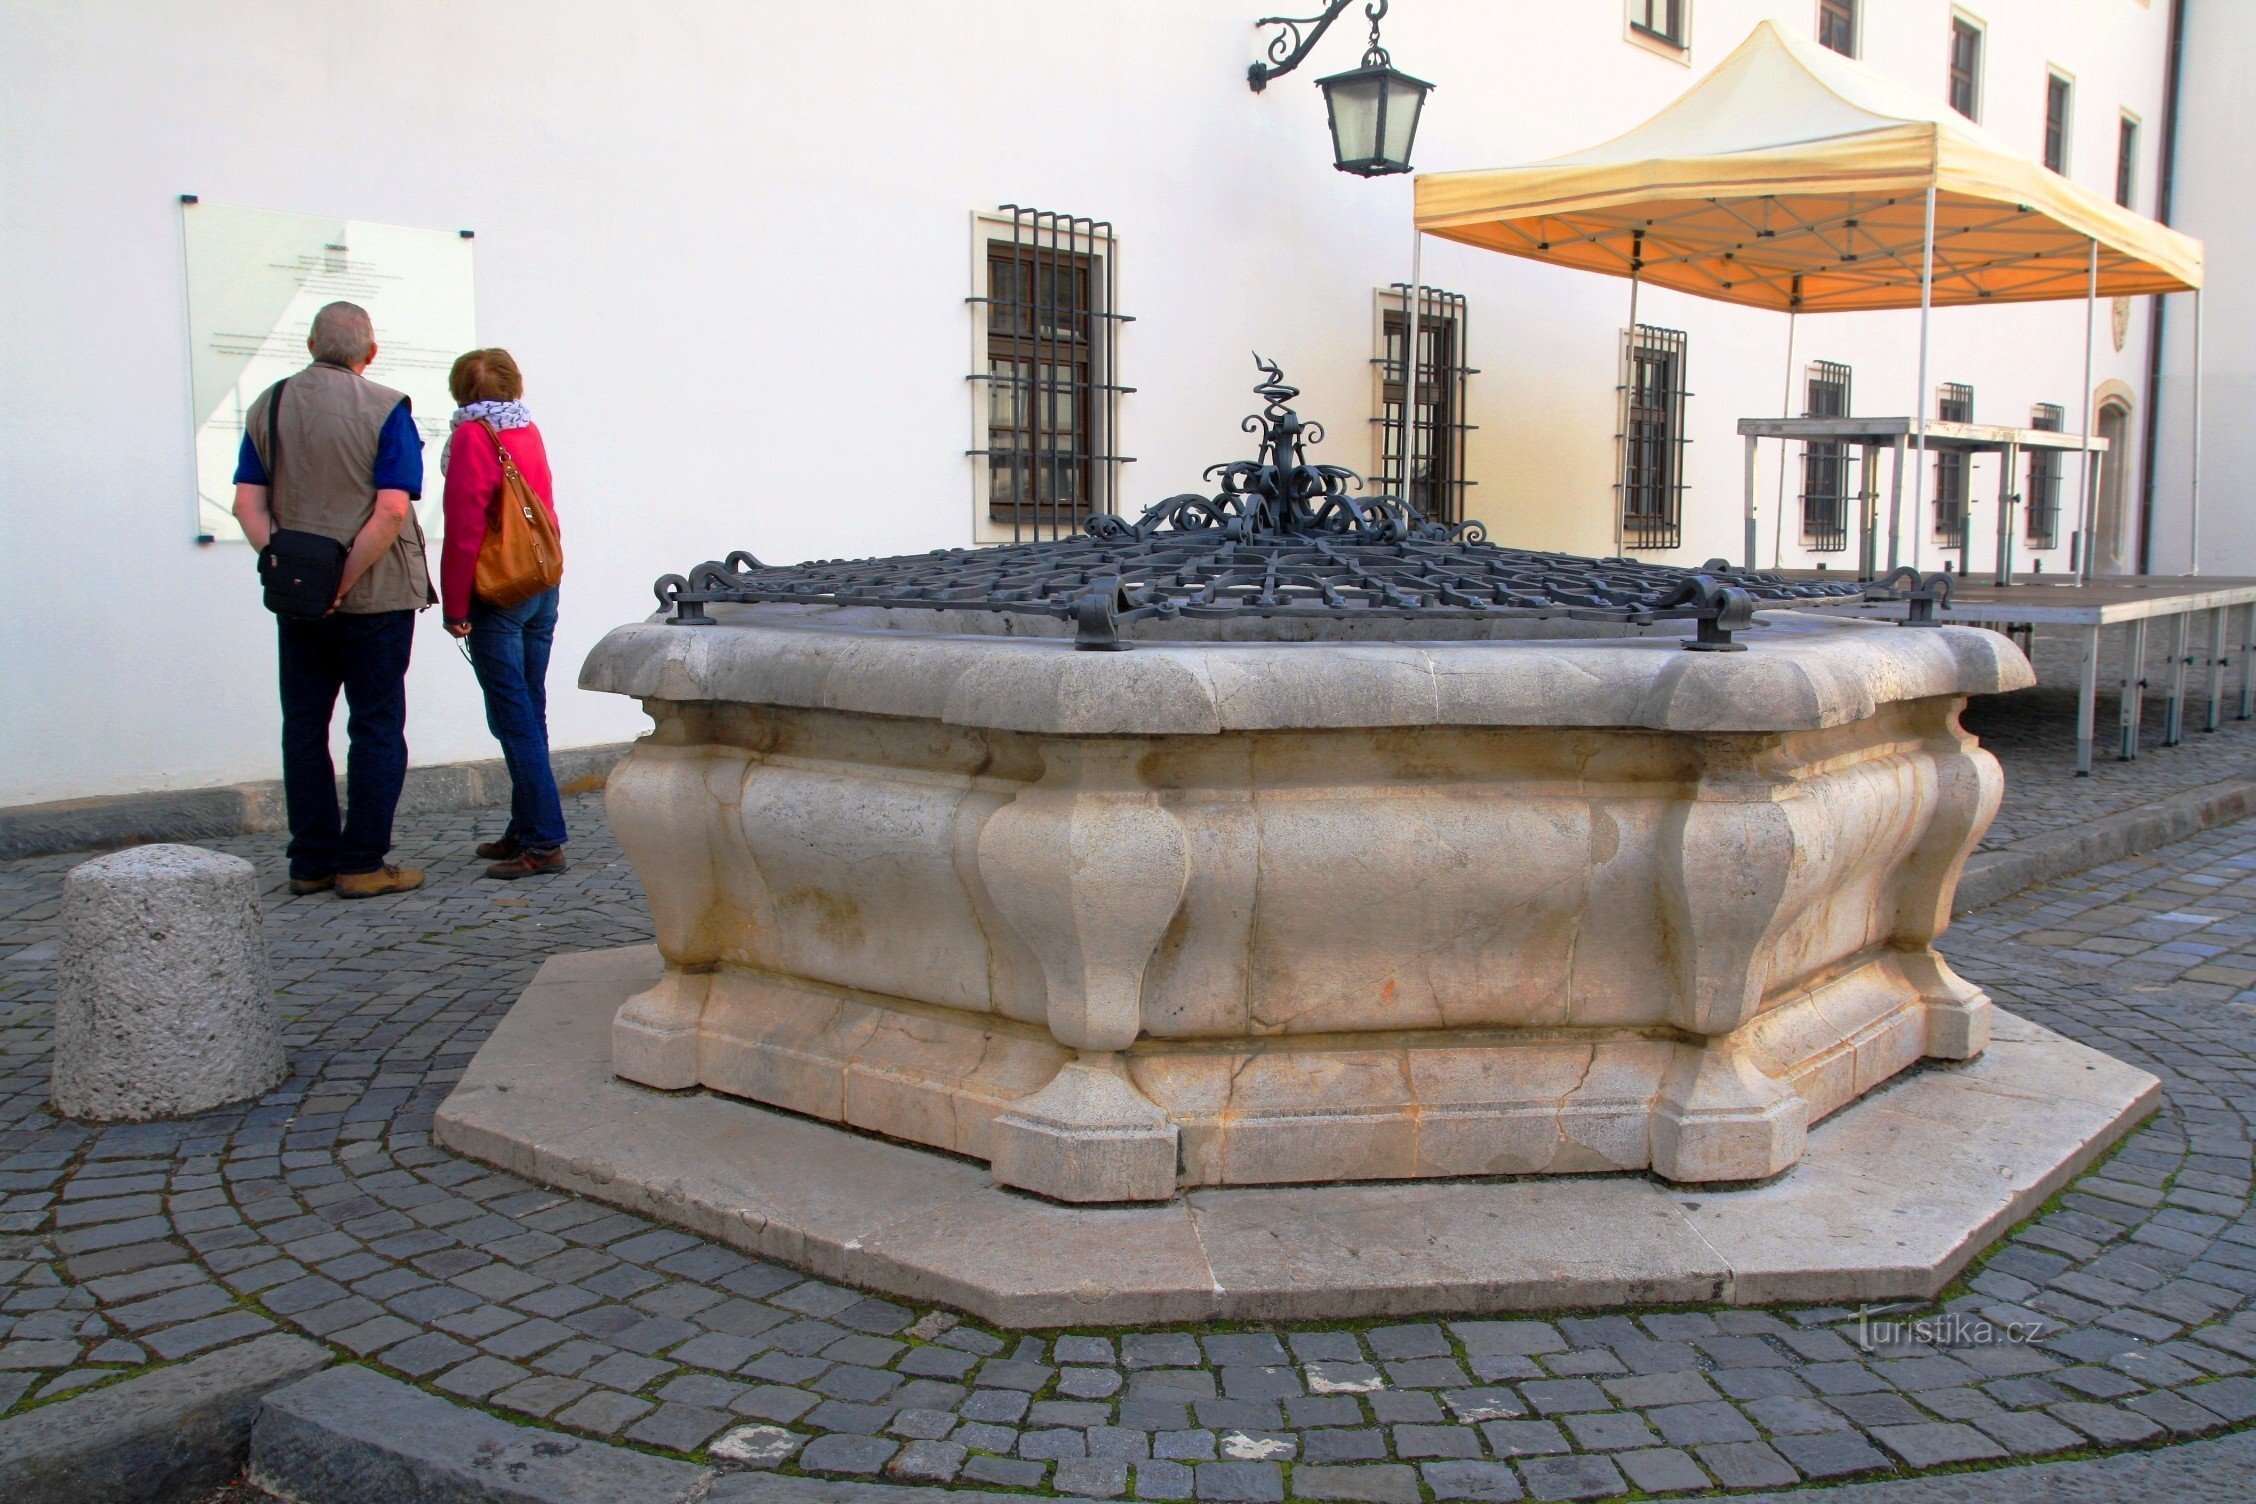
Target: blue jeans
(509,648)
(365,655)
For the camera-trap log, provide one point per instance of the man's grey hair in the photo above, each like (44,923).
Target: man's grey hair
(342,333)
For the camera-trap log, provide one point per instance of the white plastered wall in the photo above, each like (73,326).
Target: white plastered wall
(727,243)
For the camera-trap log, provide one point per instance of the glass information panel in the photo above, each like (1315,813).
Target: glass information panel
(256,277)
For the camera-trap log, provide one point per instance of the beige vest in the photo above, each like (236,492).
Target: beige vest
(330,423)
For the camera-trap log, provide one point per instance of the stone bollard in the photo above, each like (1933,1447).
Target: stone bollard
(164,1008)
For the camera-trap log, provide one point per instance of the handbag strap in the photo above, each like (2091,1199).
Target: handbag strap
(508,465)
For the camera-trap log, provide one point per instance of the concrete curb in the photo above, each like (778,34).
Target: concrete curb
(237,809)
(176,1434)
(352,1436)
(2001,873)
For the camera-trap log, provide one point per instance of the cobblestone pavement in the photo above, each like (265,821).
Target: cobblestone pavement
(323,1209)
(2033,732)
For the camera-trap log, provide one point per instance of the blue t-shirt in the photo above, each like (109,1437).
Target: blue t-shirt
(399,458)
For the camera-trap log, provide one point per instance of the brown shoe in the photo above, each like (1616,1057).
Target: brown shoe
(530,864)
(301,886)
(501,850)
(385,879)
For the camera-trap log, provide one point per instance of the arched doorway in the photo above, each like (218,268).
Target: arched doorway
(2115,551)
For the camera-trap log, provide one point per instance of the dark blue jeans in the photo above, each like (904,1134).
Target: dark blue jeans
(509,648)
(366,657)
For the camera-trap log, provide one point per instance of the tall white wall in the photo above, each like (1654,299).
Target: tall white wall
(2216,134)
(728,243)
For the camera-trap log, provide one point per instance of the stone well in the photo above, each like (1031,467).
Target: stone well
(1233,913)
(1382,853)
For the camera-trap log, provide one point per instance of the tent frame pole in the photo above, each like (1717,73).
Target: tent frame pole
(1785,410)
(1919,406)
(1410,310)
(2089,498)
(1629,398)
(2193,511)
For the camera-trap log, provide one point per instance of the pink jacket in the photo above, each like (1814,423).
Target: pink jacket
(473,488)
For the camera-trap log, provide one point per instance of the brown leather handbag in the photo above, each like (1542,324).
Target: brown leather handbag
(522,556)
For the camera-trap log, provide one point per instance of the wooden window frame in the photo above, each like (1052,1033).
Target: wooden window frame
(2060,124)
(1965,29)
(1849,15)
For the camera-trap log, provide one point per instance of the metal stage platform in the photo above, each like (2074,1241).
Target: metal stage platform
(2126,601)
(1899,437)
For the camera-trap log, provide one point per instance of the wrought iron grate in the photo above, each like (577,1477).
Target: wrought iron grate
(2042,519)
(1653,437)
(1282,541)
(1825,463)
(1953,471)
(1438,488)
(1052,376)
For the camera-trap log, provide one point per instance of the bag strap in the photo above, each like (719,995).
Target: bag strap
(274,446)
(508,465)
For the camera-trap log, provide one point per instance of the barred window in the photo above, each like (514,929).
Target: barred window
(1653,438)
(2058,94)
(1952,471)
(1825,464)
(1437,488)
(1662,20)
(1051,400)
(1966,67)
(2042,511)
(1837,26)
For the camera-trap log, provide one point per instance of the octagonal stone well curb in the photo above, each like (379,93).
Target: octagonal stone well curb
(1896,1194)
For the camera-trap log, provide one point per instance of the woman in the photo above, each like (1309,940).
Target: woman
(509,645)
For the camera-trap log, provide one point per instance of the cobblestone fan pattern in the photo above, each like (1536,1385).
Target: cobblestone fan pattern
(324,1209)
(2033,732)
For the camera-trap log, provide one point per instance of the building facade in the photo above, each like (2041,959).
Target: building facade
(880,276)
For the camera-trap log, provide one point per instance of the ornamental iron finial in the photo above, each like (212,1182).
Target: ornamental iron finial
(1281,494)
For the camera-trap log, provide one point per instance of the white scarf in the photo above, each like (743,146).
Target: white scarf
(499,414)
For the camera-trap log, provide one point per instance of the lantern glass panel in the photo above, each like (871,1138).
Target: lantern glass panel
(1354,101)
(1405,97)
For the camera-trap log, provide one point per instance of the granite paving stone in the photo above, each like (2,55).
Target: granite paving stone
(326,1209)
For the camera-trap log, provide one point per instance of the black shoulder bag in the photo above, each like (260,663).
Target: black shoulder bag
(300,571)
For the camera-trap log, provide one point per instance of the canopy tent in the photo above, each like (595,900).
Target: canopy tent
(1793,178)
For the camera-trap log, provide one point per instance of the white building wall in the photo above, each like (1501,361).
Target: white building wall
(727,242)
(2216,134)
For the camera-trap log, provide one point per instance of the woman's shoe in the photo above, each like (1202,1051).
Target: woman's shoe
(501,850)
(530,864)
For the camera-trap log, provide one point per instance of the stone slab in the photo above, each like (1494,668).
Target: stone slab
(1801,672)
(352,1436)
(175,1434)
(1893,1198)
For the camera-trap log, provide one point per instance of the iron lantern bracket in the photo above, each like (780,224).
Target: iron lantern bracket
(1290,46)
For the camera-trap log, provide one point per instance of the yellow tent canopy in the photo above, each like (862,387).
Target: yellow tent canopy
(1794,178)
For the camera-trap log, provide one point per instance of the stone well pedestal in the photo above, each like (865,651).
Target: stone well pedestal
(1238,913)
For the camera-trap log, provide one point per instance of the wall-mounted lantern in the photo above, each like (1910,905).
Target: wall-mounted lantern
(1373,109)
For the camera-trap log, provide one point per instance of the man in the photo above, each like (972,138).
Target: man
(350,464)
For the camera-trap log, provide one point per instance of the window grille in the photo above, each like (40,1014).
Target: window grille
(2056,122)
(1662,19)
(1952,472)
(1653,437)
(1052,409)
(1438,487)
(2126,161)
(2042,513)
(1825,464)
(1966,67)
(1836,26)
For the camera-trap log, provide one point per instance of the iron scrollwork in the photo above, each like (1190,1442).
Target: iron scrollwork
(1290,45)
(1921,593)
(1281,540)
